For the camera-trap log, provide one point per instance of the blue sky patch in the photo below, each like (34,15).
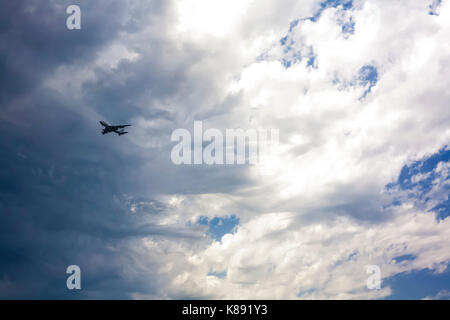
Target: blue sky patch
(416,182)
(220,275)
(219,226)
(442,210)
(367,76)
(293,24)
(417,285)
(405,257)
(424,167)
(311,62)
(348,27)
(292,59)
(433,7)
(345,4)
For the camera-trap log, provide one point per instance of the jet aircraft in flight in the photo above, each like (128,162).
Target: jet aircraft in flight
(117,129)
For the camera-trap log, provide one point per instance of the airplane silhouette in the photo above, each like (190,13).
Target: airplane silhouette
(109,128)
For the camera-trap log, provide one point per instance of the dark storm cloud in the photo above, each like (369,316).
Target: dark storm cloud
(61,203)
(34,39)
(66,190)
(62,187)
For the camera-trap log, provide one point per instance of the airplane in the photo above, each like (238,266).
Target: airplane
(108,128)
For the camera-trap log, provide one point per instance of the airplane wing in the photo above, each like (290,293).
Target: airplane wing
(120,132)
(103,123)
(114,128)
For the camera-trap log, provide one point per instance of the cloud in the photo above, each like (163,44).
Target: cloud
(441,295)
(360,97)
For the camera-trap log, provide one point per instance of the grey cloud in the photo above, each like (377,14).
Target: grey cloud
(66,191)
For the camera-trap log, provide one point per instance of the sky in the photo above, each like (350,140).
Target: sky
(359,91)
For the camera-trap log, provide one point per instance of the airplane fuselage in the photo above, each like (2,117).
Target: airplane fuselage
(110,128)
